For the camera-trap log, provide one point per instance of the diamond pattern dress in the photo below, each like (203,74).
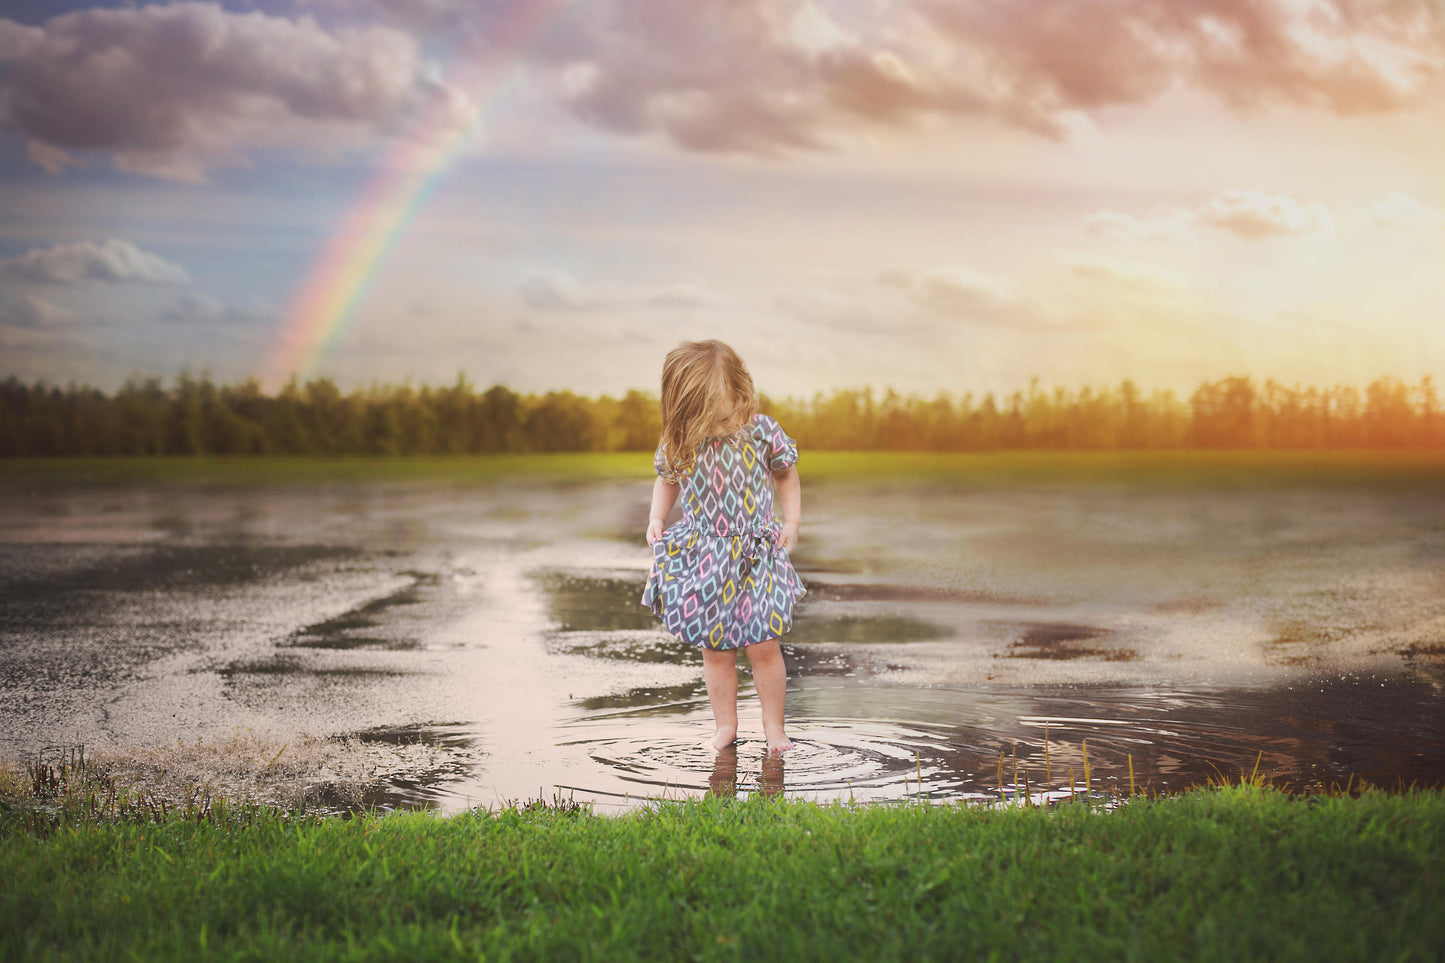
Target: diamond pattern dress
(720,578)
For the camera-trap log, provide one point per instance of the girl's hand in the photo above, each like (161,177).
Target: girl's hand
(654,529)
(789,537)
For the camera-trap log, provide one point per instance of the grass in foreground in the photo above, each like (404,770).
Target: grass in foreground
(1253,469)
(1217,874)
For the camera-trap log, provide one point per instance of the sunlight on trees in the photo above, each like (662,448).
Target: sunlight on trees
(195,417)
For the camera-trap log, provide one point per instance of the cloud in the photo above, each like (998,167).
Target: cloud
(555,290)
(195,307)
(1399,210)
(32,312)
(912,300)
(1115,226)
(415,16)
(955,292)
(1256,215)
(1135,277)
(111,261)
(1344,56)
(237,321)
(172,90)
(767,77)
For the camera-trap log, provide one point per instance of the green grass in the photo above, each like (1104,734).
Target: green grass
(1212,874)
(1142,469)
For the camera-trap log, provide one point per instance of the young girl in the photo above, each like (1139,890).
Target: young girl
(721,577)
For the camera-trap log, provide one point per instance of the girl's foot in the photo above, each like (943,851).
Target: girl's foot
(779,744)
(724,737)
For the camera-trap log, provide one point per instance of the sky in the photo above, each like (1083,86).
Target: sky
(925,195)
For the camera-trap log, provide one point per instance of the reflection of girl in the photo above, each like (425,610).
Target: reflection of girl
(722,578)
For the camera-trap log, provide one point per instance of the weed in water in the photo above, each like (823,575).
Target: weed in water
(1048,766)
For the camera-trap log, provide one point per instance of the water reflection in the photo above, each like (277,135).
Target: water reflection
(723,783)
(587,603)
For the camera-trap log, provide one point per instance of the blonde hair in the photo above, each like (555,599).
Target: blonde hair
(703,383)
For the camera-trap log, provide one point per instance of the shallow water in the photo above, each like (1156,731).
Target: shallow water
(949,638)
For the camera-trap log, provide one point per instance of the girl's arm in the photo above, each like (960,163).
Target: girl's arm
(664,496)
(790,504)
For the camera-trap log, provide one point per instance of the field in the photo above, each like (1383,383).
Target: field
(1182,468)
(1215,874)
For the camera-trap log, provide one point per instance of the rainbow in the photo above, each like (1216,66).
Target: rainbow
(406,175)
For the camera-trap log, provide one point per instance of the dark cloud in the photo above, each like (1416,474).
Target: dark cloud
(32,312)
(195,307)
(171,90)
(113,261)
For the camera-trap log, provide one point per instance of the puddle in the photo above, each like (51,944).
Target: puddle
(864,592)
(654,700)
(651,647)
(881,629)
(1196,635)
(589,603)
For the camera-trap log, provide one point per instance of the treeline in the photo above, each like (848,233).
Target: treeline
(195,416)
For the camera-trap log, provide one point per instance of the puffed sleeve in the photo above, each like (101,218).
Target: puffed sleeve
(782,451)
(659,462)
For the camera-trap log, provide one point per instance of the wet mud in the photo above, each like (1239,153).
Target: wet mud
(491,641)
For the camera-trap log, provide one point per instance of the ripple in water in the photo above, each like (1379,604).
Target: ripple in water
(878,743)
(831,759)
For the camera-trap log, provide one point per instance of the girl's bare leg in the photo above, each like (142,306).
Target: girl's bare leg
(770,678)
(720,672)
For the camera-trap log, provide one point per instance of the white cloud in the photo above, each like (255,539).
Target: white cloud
(1399,210)
(1137,277)
(113,260)
(1115,226)
(1256,215)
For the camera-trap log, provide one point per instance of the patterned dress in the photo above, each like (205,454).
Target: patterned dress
(720,578)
